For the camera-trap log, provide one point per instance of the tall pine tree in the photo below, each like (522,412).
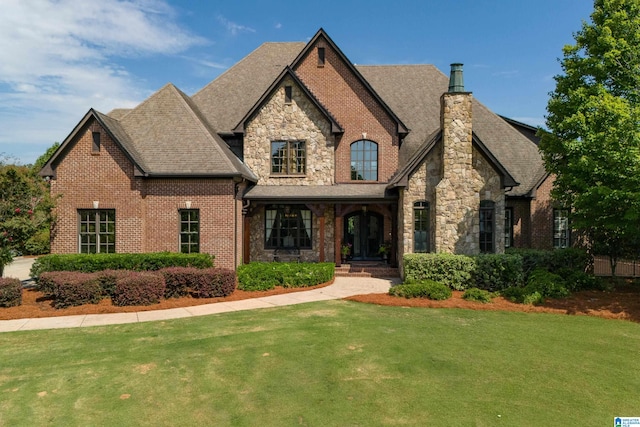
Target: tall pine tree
(593,143)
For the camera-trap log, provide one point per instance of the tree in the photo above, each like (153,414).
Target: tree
(25,210)
(593,143)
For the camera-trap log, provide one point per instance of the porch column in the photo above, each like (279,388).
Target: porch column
(318,210)
(394,235)
(337,234)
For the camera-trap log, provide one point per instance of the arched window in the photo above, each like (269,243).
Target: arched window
(364,161)
(487,226)
(420,227)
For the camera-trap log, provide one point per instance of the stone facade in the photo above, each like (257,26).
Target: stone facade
(467,179)
(299,120)
(257,238)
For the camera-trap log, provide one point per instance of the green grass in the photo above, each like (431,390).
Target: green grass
(333,363)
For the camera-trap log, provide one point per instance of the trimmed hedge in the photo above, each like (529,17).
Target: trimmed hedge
(495,272)
(89,263)
(425,289)
(10,292)
(214,282)
(76,288)
(262,276)
(454,271)
(139,289)
(568,258)
(200,283)
(108,280)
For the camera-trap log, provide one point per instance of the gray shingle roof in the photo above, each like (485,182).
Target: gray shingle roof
(172,138)
(226,100)
(352,192)
(414,91)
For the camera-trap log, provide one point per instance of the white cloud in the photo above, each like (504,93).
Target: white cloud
(58,58)
(234,28)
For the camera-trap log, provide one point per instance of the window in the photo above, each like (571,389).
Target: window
(189,231)
(561,231)
(287,226)
(95,147)
(288,158)
(320,57)
(487,222)
(97,232)
(364,161)
(420,227)
(287,94)
(508,227)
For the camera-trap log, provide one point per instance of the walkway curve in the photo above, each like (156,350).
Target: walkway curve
(342,287)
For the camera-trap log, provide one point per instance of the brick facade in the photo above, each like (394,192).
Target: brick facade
(146,210)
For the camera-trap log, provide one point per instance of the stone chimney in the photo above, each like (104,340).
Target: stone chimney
(457,198)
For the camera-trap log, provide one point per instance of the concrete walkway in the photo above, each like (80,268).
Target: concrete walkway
(341,288)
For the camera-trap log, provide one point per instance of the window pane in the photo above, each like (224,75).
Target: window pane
(364,160)
(288,226)
(189,231)
(421,227)
(96,231)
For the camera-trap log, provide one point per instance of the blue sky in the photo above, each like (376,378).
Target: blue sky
(58,58)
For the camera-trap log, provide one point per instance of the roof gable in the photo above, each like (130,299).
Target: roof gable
(110,126)
(175,140)
(287,73)
(322,37)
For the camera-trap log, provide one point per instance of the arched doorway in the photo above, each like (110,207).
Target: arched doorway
(364,231)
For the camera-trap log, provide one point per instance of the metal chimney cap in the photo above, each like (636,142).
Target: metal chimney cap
(456,80)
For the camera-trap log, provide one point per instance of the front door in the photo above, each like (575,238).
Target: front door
(363,230)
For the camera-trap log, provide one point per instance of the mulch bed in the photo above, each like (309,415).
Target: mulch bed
(623,303)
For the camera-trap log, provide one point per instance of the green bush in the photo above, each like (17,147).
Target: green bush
(576,280)
(89,263)
(108,279)
(454,271)
(10,292)
(495,272)
(261,276)
(479,295)
(38,244)
(424,289)
(541,284)
(558,259)
(139,289)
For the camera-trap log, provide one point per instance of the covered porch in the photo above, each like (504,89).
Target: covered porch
(321,223)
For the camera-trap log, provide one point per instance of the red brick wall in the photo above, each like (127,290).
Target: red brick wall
(346,98)
(147,218)
(542,217)
(521,221)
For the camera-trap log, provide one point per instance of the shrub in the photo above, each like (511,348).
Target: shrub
(38,244)
(10,292)
(424,289)
(108,279)
(74,288)
(452,270)
(495,272)
(48,282)
(261,276)
(139,289)
(90,263)
(547,284)
(558,259)
(579,280)
(479,295)
(214,282)
(178,280)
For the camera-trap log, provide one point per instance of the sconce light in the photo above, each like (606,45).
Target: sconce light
(188,204)
(96,204)
(364,208)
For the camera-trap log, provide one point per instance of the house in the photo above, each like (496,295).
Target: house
(295,149)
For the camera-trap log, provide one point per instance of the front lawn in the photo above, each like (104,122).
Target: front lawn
(334,363)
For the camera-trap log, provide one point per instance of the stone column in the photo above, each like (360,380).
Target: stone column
(457,199)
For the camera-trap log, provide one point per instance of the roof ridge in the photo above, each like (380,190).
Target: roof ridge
(244,59)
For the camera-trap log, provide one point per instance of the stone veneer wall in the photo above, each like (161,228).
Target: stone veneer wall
(420,187)
(257,237)
(299,120)
(467,178)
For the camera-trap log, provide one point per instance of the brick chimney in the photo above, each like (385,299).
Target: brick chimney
(457,198)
